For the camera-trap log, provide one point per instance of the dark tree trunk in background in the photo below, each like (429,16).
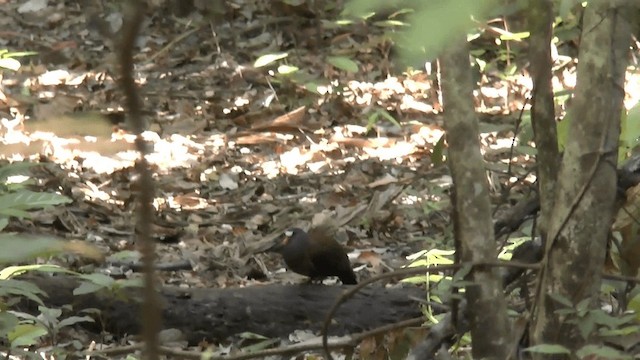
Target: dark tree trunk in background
(542,107)
(583,211)
(472,211)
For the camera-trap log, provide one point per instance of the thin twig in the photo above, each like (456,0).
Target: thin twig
(151,314)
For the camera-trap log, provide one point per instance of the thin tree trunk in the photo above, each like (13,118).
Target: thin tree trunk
(472,215)
(542,106)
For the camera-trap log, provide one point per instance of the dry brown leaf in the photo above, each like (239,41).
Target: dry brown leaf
(292,120)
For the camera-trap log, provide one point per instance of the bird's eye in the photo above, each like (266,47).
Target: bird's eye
(288,233)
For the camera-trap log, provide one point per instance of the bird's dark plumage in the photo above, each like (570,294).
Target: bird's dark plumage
(316,255)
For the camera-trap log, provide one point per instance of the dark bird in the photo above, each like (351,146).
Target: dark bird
(316,255)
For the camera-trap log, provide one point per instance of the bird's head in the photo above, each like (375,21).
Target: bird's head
(293,240)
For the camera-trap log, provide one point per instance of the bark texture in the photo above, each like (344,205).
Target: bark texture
(215,315)
(583,211)
(542,107)
(472,215)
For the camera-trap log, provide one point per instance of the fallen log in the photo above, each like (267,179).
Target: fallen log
(218,314)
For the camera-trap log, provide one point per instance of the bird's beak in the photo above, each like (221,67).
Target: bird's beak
(282,242)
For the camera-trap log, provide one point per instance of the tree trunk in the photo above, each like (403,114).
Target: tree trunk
(583,211)
(472,211)
(542,108)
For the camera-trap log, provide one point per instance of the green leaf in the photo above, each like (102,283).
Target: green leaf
(14,204)
(19,248)
(98,279)
(20,214)
(252,336)
(515,36)
(623,331)
(563,130)
(26,334)
(630,131)
(343,63)
(8,322)
(583,305)
(612,322)
(432,257)
(425,258)
(287,69)
(586,326)
(634,304)
(21,288)
(265,60)
(415,280)
(14,54)
(548,349)
(462,273)
(565,7)
(312,87)
(17,168)
(26,316)
(565,311)
(133,282)
(87,288)
(11,271)
(421,262)
(51,313)
(371,121)
(125,256)
(385,114)
(444,22)
(601,352)
(72,320)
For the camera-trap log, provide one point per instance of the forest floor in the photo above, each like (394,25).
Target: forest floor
(242,152)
